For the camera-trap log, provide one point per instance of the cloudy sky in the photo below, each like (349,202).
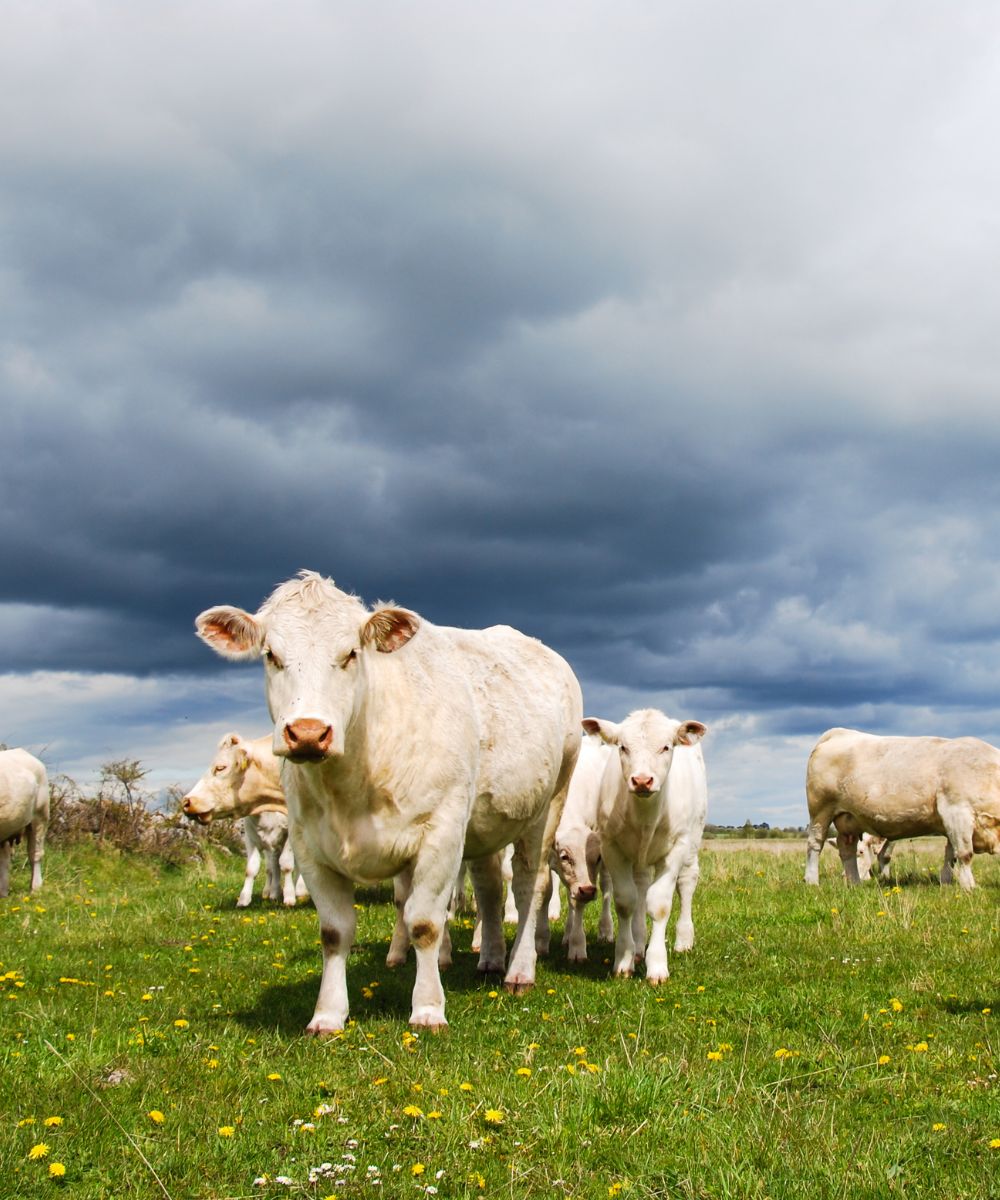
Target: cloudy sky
(666,332)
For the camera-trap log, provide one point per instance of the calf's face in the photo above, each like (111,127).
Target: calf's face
(646,741)
(576,856)
(314,648)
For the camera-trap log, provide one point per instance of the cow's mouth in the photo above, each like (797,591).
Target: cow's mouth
(203,818)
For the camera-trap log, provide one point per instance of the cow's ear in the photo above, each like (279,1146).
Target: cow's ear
(230,632)
(689,733)
(607,731)
(230,740)
(389,628)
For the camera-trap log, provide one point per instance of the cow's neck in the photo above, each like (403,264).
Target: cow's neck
(261,791)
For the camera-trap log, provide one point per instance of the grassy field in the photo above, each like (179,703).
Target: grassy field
(815,1043)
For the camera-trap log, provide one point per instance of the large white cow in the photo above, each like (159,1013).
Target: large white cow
(654,800)
(899,787)
(24,811)
(244,781)
(577,850)
(407,747)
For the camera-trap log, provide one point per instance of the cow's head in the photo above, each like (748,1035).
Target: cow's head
(576,855)
(646,740)
(216,794)
(314,640)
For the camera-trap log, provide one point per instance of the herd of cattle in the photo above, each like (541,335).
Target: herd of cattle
(410,751)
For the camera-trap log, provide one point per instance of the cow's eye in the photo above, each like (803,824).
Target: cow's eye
(219,768)
(348,659)
(624,749)
(666,749)
(272,658)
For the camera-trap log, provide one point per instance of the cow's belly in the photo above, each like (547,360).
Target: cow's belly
(889,814)
(13,818)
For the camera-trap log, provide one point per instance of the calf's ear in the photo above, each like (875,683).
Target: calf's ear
(230,632)
(689,733)
(607,731)
(389,628)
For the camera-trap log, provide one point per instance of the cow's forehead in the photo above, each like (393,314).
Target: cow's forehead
(312,608)
(648,725)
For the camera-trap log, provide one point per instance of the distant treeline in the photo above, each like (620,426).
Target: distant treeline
(749,830)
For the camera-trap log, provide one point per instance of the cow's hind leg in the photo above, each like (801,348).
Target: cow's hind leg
(815,840)
(687,881)
(400,944)
(948,862)
(958,822)
(36,848)
(847,848)
(487,882)
(252,867)
(5,852)
(531,882)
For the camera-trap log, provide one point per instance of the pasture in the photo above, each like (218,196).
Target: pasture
(817,1042)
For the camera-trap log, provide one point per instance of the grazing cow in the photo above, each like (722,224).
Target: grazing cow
(876,849)
(24,810)
(409,746)
(898,787)
(654,800)
(244,781)
(577,850)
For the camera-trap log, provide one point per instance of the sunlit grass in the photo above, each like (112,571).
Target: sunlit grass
(816,1042)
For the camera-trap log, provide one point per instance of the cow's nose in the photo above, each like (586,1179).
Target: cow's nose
(642,783)
(586,892)
(187,803)
(308,738)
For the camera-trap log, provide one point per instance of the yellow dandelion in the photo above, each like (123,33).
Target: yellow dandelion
(181,1024)
(156,1116)
(524,1072)
(39,1150)
(53,1121)
(493,1116)
(25,1121)
(995,1143)
(465,1087)
(919,1048)
(883,1059)
(56,1170)
(411,1110)
(274,1076)
(896,1005)
(715,1056)
(226,1130)
(938,1126)
(434,1116)
(417,1169)
(381,1079)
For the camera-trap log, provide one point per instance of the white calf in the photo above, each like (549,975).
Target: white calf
(24,811)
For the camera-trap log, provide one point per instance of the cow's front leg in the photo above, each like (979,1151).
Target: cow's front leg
(333,896)
(659,900)
(399,946)
(426,917)
(948,862)
(576,936)
(642,878)
(625,898)
(606,925)
(252,867)
(487,882)
(531,881)
(272,872)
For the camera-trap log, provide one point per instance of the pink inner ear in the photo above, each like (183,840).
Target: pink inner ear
(390,628)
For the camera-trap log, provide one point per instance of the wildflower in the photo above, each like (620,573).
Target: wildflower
(715,1056)
(56,1170)
(493,1116)
(226,1131)
(211,1063)
(411,1110)
(919,1048)
(492,995)
(156,1116)
(896,1005)
(181,1024)
(25,1121)
(434,1116)
(53,1121)
(465,1087)
(986,1012)
(995,1143)
(381,1079)
(417,1169)
(39,1150)
(274,1076)
(883,1059)
(524,1072)
(938,1126)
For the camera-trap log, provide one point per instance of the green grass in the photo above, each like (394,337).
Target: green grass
(113,952)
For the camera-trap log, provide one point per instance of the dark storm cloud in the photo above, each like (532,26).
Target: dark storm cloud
(678,357)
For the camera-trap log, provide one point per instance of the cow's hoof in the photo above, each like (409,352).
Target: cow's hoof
(623,972)
(431,1019)
(577,958)
(657,977)
(394,960)
(491,967)
(324,1027)
(518,986)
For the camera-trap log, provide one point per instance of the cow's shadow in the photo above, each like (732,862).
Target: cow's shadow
(377,992)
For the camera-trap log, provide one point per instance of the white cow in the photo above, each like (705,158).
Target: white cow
(24,811)
(409,746)
(577,849)
(654,800)
(899,787)
(244,781)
